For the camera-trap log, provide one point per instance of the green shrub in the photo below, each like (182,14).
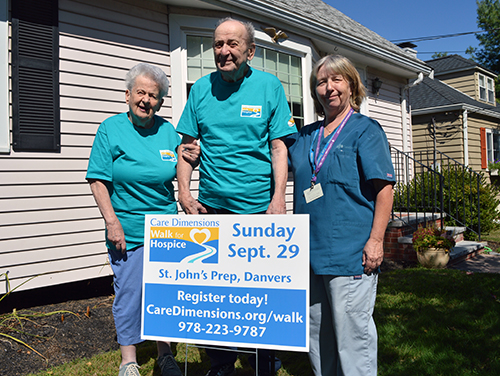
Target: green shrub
(459,197)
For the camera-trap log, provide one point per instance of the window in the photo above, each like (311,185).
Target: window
(200,61)
(492,145)
(200,58)
(486,89)
(289,71)
(35,75)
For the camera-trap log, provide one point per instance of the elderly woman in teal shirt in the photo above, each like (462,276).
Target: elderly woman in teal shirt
(131,169)
(343,178)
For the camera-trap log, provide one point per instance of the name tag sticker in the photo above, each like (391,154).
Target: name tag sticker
(251,111)
(313,193)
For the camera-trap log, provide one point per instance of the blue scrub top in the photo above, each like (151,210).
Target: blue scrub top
(341,220)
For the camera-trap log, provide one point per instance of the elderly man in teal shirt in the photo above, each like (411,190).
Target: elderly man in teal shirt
(241,116)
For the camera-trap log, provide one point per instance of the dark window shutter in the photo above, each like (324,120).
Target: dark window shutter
(35,75)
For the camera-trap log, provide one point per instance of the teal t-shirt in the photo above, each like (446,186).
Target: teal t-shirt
(235,122)
(138,166)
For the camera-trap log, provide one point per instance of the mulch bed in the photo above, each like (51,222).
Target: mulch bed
(86,328)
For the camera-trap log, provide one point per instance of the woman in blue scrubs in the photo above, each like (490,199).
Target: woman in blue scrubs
(343,178)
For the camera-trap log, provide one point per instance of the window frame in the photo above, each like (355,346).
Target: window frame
(183,25)
(487,82)
(490,149)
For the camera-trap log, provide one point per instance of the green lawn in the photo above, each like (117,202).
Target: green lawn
(430,322)
(493,236)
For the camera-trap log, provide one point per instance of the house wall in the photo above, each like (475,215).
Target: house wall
(449,138)
(477,121)
(464,82)
(386,107)
(49,225)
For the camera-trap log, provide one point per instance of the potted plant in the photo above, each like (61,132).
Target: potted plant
(432,246)
(494,167)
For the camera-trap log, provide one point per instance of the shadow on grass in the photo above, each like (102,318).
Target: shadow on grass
(438,322)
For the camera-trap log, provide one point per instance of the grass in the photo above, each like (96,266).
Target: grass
(493,236)
(430,322)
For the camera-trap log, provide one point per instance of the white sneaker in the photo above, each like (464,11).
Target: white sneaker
(129,369)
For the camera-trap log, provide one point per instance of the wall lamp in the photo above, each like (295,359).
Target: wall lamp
(376,85)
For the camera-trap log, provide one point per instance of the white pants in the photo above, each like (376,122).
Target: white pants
(343,336)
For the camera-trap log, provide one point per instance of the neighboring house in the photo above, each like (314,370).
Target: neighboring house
(459,107)
(61,74)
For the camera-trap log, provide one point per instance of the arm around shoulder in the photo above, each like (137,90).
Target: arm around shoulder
(184,172)
(279,160)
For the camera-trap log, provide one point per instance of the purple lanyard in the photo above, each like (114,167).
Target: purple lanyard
(314,155)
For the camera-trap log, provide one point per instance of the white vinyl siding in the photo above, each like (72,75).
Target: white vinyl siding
(386,109)
(50,226)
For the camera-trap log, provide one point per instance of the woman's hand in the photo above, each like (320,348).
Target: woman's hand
(116,235)
(190,153)
(113,225)
(373,255)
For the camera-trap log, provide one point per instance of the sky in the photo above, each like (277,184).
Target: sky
(408,19)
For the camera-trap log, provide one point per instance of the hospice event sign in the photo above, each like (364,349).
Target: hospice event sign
(230,280)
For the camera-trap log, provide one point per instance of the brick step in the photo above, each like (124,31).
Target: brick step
(463,249)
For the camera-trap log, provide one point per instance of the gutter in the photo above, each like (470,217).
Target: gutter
(457,107)
(404,113)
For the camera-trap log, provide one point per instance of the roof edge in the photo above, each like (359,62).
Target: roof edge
(322,31)
(454,107)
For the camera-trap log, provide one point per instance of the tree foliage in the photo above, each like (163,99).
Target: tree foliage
(488,19)
(438,55)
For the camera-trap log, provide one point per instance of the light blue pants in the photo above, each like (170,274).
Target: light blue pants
(127,282)
(343,336)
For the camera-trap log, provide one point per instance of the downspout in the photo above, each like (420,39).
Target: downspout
(404,113)
(466,137)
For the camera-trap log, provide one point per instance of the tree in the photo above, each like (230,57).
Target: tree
(488,53)
(437,55)
(488,19)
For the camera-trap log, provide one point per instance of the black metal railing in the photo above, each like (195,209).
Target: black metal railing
(430,184)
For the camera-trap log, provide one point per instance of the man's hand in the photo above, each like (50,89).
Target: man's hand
(190,205)
(373,255)
(277,205)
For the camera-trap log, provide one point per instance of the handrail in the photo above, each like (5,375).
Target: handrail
(429,181)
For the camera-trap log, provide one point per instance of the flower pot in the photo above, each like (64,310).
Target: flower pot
(436,258)
(494,172)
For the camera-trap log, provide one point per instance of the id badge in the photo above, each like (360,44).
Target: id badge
(313,193)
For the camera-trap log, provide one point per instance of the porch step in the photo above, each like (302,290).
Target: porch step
(464,250)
